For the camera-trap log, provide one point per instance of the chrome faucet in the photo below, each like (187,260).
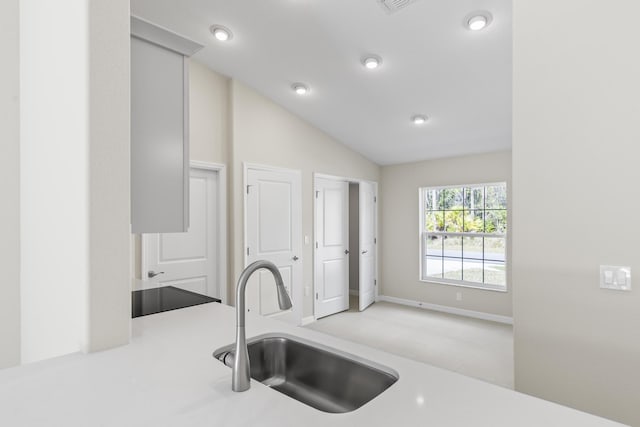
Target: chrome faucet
(241,371)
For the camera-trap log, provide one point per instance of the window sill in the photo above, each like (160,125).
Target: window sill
(493,288)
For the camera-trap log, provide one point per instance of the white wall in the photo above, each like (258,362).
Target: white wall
(74,176)
(54,176)
(265,133)
(10,184)
(400,224)
(575,202)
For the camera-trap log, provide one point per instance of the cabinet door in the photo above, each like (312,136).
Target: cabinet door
(159,145)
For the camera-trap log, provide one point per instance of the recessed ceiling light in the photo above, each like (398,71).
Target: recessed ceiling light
(419,119)
(476,21)
(371,61)
(221,33)
(300,88)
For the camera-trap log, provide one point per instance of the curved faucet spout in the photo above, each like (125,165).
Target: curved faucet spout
(241,369)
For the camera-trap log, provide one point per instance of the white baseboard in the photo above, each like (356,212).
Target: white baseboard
(307,320)
(451,310)
(354,292)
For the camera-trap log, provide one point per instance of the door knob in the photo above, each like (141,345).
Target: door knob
(295,258)
(151,274)
(364,252)
(346,251)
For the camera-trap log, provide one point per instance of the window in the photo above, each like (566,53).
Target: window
(463,234)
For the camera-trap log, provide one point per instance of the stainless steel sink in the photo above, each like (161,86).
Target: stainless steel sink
(322,377)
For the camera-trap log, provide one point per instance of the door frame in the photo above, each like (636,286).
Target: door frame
(221,169)
(297,297)
(315,231)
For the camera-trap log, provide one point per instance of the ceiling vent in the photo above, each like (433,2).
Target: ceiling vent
(392,6)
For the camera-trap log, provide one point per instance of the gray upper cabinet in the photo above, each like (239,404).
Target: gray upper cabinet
(159,129)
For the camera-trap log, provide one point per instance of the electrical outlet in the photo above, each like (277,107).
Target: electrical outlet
(458,296)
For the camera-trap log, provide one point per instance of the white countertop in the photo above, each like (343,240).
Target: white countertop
(167,377)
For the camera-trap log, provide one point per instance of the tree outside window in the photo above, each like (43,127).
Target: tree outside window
(464,235)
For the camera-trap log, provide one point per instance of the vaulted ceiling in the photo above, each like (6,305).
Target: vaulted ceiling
(432,65)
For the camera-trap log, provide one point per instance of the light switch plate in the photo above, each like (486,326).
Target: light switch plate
(608,277)
(615,277)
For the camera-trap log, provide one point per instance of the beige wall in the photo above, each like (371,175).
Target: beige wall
(575,178)
(208,114)
(9,184)
(400,225)
(109,293)
(265,133)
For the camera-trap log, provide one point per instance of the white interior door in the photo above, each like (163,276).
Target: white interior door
(332,247)
(189,260)
(274,233)
(367,292)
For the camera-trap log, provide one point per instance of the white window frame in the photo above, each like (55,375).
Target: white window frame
(422,236)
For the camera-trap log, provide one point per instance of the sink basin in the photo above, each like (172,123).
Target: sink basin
(319,376)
